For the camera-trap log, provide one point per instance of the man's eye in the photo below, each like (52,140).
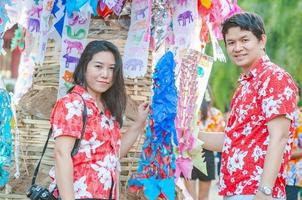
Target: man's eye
(230,43)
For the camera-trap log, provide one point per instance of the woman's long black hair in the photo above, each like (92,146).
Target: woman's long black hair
(115,97)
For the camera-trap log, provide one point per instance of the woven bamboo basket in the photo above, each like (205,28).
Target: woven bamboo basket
(33,114)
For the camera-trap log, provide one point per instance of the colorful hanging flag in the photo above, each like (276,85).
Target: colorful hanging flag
(184,19)
(155,174)
(3,22)
(74,37)
(43,38)
(137,46)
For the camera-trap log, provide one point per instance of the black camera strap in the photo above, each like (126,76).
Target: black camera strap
(76,144)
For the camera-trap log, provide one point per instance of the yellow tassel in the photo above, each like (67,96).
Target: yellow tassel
(206,3)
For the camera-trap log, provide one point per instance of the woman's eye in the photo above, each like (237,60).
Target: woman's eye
(111,68)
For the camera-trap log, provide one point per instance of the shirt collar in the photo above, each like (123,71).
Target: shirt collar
(83,92)
(255,69)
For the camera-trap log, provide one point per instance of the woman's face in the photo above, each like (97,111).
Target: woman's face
(99,73)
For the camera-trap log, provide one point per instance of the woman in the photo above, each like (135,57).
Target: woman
(211,120)
(92,172)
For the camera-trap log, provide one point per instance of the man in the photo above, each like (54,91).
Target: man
(256,143)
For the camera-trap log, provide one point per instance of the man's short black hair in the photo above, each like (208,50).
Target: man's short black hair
(246,21)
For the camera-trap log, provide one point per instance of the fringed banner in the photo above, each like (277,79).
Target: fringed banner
(155,174)
(25,72)
(58,14)
(73,42)
(194,74)
(45,15)
(34,16)
(6,146)
(137,45)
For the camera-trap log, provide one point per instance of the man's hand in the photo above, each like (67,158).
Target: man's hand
(260,196)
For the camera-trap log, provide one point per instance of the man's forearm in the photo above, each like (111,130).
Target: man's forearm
(213,141)
(278,129)
(273,160)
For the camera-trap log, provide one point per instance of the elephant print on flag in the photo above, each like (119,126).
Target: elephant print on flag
(184,18)
(137,45)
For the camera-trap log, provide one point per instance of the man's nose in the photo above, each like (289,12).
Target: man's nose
(237,46)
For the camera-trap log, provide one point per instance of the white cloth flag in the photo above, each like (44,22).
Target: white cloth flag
(137,45)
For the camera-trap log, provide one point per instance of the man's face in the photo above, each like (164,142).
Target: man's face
(243,47)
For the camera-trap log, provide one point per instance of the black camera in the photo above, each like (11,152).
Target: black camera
(36,192)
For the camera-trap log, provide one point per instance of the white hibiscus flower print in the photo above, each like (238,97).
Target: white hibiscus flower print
(288,92)
(239,188)
(74,108)
(270,106)
(258,153)
(236,161)
(222,185)
(110,162)
(262,91)
(257,174)
(247,129)
(226,144)
(106,123)
(80,188)
(56,131)
(104,175)
(88,146)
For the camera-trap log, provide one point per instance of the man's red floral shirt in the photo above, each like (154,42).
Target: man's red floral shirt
(266,92)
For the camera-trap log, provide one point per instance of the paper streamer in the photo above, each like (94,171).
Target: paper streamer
(161,19)
(73,42)
(155,174)
(138,40)
(6,145)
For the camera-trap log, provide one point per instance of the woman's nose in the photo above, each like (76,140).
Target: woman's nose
(104,72)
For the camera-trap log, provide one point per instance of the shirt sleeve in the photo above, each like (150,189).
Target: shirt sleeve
(278,96)
(66,117)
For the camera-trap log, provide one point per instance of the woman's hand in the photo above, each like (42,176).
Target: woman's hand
(133,132)
(143,110)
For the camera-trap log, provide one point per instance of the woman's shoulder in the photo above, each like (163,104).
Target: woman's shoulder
(77,93)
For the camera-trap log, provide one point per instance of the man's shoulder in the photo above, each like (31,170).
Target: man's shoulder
(271,69)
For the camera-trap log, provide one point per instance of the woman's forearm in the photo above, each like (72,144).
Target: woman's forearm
(130,137)
(64,175)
